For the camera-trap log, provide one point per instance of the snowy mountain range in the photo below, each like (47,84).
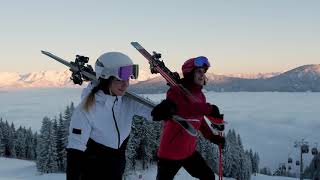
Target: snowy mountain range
(303,78)
(45,79)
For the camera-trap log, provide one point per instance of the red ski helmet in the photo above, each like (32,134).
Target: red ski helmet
(193,63)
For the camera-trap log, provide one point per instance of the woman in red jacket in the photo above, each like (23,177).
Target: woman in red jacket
(177,147)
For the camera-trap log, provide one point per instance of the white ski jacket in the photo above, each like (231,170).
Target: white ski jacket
(108,121)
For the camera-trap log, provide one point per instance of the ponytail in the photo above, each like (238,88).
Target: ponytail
(103,85)
(90,98)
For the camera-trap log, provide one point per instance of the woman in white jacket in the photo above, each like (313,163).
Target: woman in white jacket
(101,123)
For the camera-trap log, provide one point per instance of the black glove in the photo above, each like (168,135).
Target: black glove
(164,110)
(216,139)
(215,112)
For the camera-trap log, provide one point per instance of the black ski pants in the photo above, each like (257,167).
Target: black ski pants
(195,165)
(97,162)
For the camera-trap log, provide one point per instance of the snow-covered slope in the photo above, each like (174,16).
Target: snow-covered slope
(14,169)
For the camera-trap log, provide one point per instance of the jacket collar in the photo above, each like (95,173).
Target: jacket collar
(191,86)
(100,96)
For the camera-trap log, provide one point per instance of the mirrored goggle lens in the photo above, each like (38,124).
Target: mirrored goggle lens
(201,61)
(127,72)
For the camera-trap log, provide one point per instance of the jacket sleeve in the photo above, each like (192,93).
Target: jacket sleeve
(198,108)
(79,130)
(75,161)
(143,110)
(205,130)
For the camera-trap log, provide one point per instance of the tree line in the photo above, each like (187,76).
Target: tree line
(47,147)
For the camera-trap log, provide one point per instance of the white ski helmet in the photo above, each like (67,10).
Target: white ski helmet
(116,64)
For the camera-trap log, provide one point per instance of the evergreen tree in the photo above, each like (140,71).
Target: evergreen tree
(20,143)
(265,171)
(46,150)
(61,144)
(2,145)
(256,161)
(134,152)
(67,118)
(35,145)
(30,147)
(231,156)
(52,145)
(209,152)
(9,140)
(152,139)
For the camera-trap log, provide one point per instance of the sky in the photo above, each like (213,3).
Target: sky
(248,36)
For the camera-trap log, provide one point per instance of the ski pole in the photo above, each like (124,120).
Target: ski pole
(220,159)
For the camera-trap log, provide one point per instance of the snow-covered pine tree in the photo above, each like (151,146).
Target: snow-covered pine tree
(61,144)
(35,144)
(9,139)
(52,145)
(134,142)
(20,143)
(209,152)
(42,145)
(58,143)
(266,171)
(2,145)
(256,161)
(67,118)
(30,145)
(247,166)
(231,155)
(152,136)
(241,156)
(46,149)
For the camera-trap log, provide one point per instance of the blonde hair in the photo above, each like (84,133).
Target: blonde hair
(104,85)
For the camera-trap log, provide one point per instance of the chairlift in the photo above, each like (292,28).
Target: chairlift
(305,149)
(297,163)
(314,151)
(289,160)
(284,167)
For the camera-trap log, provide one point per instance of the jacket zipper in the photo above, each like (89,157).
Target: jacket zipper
(115,122)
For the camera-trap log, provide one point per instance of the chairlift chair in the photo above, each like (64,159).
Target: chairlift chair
(297,163)
(305,149)
(284,167)
(314,151)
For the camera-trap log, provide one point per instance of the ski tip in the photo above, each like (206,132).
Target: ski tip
(45,52)
(136,45)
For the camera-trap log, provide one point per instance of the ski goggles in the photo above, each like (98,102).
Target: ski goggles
(201,61)
(128,72)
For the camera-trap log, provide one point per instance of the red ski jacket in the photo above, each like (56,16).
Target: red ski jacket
(175,142)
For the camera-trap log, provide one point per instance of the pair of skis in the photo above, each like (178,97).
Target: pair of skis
(81,72)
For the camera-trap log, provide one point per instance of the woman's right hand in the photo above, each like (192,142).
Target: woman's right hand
(164,111)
